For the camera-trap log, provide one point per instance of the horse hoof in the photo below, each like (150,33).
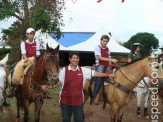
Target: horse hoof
(139,116)
(147,117)
(17,120)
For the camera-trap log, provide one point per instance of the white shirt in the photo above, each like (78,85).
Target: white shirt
(86,74)
(97,52)
(23,50)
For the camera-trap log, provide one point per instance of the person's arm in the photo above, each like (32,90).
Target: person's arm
(45,87)
(107,59)
(99,74)
(129,57)
(23,52)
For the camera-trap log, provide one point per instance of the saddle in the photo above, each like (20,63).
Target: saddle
(20,70)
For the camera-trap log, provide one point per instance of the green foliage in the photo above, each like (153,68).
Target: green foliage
(147,40)
(44,15)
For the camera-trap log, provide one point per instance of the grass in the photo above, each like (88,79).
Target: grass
(50,110)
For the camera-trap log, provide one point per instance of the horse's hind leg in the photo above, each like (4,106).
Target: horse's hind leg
(38,105)
(18,111)
(146,97)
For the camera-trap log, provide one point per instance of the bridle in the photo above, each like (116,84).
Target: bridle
(147,75)
(50,76)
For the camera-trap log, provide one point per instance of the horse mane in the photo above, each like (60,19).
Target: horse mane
(133,62)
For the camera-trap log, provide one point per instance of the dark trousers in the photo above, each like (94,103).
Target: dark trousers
(68,110)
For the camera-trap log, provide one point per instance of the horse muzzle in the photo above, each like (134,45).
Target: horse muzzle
(53,79)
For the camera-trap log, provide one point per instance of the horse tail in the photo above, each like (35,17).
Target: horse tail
(19,96)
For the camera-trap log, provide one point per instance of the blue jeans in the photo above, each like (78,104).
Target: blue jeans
(77,111)
(99,68)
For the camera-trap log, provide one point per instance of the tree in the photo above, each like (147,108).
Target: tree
(147,40)
(44,15)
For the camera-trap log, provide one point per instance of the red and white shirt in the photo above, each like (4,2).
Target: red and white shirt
(72,83)
(100,51)
(30,48)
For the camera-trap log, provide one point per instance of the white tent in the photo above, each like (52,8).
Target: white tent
(86,46)
(92,42)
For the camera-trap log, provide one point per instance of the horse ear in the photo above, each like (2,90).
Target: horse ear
(57,49)
(47,47)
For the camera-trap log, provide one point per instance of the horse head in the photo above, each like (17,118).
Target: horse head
(4,60)
(52,64)
(154,69)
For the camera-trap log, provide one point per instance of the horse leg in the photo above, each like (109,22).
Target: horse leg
(113,112)
(18,111)
(138,96)
(123,108)
(19,98)
(26,107)
(146,97)
(38,105)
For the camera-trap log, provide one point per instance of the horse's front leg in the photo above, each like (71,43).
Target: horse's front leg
(26,107)
(146,97)
(123,108)
(38,105)
(113,112)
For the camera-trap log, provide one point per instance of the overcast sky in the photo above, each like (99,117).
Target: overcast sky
(122,19)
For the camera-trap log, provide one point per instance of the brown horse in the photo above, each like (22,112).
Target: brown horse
(126,77)
(43,71)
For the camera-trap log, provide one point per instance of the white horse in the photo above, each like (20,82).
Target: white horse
(3,77)
(142,89)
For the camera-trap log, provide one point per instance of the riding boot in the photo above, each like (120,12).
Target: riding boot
(5,104)
(138,110)
(145,112)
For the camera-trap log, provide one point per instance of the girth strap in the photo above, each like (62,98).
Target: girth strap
(122,87)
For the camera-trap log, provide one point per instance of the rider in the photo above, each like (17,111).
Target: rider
(29,48)
(135,52)
(102,59)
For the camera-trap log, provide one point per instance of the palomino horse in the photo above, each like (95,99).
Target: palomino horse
(45,69)
(3,76)
(140,90)
(119,92)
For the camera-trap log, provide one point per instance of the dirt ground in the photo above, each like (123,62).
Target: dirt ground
(93,113)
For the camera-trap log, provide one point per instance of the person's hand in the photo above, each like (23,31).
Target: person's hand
(111,76)
(44,88)
(114,60)
(25,60)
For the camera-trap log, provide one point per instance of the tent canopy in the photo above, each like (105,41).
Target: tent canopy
(81,41)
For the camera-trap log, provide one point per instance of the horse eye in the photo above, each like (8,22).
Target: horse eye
(157,67)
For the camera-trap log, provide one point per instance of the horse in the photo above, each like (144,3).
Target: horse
(44,71)
(120,91)
(3,80)
(140,90)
